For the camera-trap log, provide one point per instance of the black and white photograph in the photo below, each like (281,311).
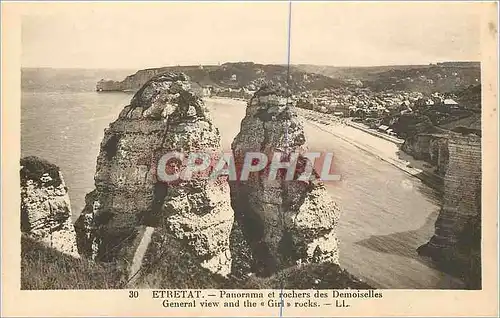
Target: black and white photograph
(252,146)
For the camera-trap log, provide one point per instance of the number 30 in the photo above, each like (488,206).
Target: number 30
(133,294)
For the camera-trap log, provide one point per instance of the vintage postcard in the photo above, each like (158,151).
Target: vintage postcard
(243,159)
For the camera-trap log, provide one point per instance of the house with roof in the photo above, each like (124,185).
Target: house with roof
(450,103)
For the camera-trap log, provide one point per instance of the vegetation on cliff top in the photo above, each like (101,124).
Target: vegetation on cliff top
(441,77)
(237,75)
(34,167)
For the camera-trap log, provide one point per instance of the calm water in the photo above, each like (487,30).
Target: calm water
(386,214)
(63,121)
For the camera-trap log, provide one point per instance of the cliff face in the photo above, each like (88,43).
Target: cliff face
(45,206)
(457,239)
(109,85)
(163,116)
(284,222)
(432,148)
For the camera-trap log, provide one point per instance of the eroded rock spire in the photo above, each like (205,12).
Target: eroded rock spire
(163,116)
(285,221)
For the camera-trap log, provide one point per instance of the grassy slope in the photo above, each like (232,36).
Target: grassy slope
(45,268)
(393,77)
(246,72)
(169,265)
(309,276)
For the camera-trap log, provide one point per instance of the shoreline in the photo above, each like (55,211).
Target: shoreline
(395,156)
(395,140)
(392,154)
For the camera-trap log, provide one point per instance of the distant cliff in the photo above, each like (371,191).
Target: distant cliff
(431,143)
(229,75)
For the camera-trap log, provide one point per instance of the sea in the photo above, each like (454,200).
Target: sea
(386,213)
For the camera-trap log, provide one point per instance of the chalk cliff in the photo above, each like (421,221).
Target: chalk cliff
(163,116)
(45,206)
(284,222)
(456,243)
(132,82)
(430,147)
(109,85)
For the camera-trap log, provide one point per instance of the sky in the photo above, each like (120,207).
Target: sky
(141,35)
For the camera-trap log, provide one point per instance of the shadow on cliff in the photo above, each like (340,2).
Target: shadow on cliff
(432,184)
(403,244)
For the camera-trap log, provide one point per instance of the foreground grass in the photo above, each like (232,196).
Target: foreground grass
(308,276)
(167,265)
(45,268)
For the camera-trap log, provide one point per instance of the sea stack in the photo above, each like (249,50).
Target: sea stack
(284,221)
(45,206)
(130,201)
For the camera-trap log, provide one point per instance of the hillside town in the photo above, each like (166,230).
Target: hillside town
(399,100)
(379,110)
